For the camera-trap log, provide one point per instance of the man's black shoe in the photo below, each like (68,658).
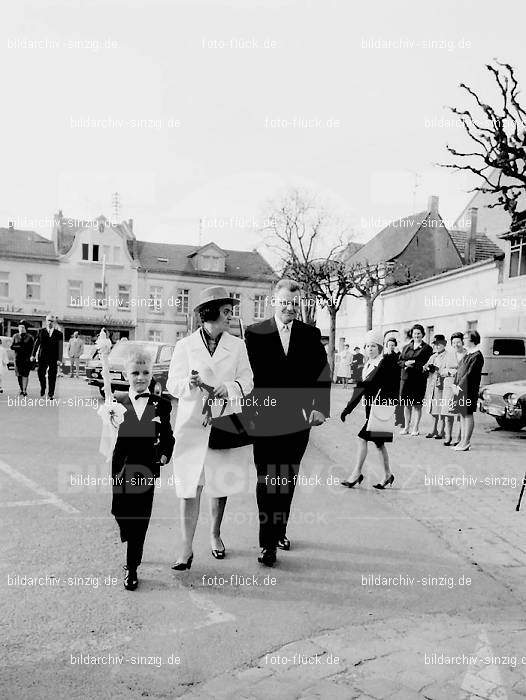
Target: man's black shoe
(42,392)
(284,543)
(130,579)
(268,557)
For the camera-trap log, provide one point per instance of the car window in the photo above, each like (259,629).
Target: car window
(508,346)
(166,353)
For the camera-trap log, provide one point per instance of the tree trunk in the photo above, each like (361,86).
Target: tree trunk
(332,337)
(369,320)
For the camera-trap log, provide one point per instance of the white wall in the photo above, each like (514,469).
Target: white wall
(447,302)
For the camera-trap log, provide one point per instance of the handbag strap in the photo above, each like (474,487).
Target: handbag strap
(240,389)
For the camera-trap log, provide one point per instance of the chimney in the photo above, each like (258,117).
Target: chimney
(130,224)
(471,240)
(432,204)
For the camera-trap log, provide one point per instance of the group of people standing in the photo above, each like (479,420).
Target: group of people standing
(245,411)
(444,381)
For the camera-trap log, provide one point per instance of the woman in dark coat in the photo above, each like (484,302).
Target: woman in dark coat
(379,384)
(22,346)
(466,388)
(413,380)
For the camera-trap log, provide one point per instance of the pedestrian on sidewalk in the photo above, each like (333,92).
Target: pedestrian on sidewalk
(458,351)
(144,444)
(391,347)
(413,379)
(441,362)
(379,386)
(466,385)
(22,346)
(75,350)
(211,361)
(292,383)
(3,365)
(48,352)
(356,365)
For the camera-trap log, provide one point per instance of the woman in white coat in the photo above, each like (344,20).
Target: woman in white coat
(213,357)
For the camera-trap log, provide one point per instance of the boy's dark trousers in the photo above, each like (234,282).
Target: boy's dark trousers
(132,507)
(135,468)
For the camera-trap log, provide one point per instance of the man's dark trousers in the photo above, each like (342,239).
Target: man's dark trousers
(50,366)
(277,460)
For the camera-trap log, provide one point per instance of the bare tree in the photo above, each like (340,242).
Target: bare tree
(369,280)
(499,138)
(309,239)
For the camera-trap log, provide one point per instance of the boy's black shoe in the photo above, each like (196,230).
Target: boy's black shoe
(268,556)
(130,579)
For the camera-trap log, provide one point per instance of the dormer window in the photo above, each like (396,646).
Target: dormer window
(209,258)
(211,263)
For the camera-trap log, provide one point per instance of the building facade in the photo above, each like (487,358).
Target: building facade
(486,291)
(95,274)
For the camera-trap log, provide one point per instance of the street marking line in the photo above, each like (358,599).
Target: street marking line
(52,498)
(202,602)
(15,504)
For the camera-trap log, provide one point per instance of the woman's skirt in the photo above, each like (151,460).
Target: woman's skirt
(22,367)
(369,436)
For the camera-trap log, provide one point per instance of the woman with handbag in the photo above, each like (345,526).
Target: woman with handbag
(379,391)
(211,376)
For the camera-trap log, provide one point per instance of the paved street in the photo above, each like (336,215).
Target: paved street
(414,592)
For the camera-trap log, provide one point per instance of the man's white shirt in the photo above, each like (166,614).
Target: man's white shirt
(139,405)
(284,333)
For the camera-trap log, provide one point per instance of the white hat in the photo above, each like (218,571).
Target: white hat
(374,337)
(217,294)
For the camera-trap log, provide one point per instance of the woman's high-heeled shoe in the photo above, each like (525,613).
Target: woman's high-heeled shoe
(432,435)
(387,482)
(352,484)
(184,565)
(219,553)
(460,448)
(440,436)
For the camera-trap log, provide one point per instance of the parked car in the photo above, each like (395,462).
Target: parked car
(506,402)
(161,352)
(93,362)
(6,344)
(504,357)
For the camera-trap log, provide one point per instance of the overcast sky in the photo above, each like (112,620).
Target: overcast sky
(219,85)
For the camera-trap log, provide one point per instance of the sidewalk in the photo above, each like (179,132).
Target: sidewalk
(468,643)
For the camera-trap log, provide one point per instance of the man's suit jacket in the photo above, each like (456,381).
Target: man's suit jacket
(48,346)
(287,387)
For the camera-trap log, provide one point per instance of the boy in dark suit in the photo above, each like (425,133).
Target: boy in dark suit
(292,383)
(144,443)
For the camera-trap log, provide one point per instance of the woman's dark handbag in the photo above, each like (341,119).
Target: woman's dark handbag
(229,432)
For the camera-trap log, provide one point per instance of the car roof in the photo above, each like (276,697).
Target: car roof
(500,334)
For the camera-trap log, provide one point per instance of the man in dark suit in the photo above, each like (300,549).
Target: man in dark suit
(48,351)
(291,394)
(144,443)
(356,365)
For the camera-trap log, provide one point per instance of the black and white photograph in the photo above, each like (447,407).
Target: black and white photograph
(263,350)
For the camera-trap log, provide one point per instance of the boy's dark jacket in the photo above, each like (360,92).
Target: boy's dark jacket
(141,443)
